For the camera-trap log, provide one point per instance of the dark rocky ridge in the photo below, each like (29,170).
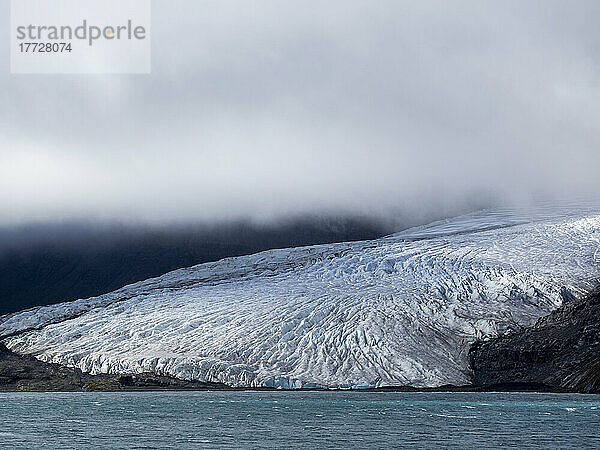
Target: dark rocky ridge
(560,352)
(25,373)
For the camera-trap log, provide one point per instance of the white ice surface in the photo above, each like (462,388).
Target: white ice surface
(401,310)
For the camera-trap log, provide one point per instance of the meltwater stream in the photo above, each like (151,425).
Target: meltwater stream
(320,419)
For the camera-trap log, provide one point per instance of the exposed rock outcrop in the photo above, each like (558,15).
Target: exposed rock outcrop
(561,351)
(25,373)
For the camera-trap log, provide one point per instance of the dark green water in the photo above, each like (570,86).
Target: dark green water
(311,420)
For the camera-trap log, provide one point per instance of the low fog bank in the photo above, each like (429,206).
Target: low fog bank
(274,108)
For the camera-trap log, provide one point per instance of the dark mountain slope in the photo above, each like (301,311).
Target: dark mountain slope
(562,351)
(45,264)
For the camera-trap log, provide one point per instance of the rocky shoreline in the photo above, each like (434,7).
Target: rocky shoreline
(25,373)
(560,353)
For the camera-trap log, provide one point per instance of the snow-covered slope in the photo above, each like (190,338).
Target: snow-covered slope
(400,310)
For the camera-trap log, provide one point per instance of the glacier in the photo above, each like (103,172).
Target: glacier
(402,310)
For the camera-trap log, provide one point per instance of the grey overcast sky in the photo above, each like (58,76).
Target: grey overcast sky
(267,108)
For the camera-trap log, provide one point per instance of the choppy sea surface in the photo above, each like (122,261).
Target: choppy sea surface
(310,420)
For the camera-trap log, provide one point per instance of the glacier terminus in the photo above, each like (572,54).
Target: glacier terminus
(402,310)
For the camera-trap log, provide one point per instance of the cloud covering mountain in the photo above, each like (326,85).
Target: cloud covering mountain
(266,108)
